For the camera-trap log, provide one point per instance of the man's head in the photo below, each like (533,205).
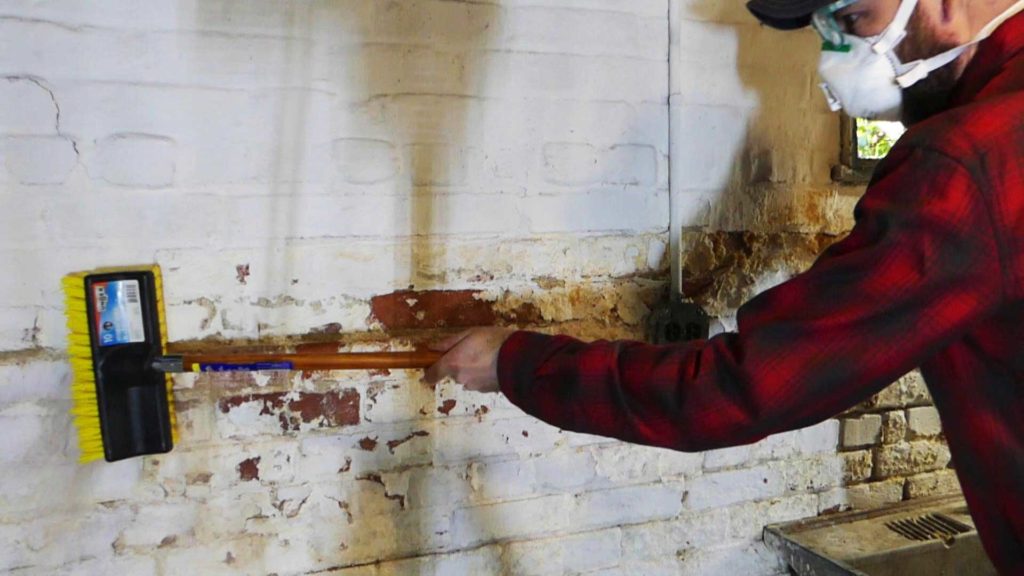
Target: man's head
(934,28)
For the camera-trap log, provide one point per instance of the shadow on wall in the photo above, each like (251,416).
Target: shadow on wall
(399,79)
(768,206)
(754,145)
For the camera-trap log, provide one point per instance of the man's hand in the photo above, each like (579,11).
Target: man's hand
(471,358)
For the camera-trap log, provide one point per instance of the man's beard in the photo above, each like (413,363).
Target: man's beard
(931,95)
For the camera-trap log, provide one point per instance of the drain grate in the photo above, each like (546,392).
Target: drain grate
(928,527)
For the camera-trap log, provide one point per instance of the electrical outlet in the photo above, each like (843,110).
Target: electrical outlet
(674,322)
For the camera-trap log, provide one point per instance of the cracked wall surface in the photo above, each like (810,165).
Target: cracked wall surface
(358,175)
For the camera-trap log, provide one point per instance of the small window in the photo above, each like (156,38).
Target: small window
(864,143)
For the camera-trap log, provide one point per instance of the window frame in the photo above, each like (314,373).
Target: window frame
(852,169)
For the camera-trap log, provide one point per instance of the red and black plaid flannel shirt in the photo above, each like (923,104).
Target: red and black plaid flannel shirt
(931,276)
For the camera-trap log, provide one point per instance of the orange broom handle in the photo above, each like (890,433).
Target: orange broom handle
(203,362)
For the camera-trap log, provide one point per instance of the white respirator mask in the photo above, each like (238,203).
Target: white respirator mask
(864,77)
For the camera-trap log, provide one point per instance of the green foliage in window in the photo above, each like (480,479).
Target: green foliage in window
(876,138)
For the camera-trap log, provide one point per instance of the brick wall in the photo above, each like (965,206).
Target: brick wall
(363,175)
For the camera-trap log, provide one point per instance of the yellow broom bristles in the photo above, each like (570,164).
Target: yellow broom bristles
(158,287)
(84,401)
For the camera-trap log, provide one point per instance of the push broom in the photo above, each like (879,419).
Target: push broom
(121,389)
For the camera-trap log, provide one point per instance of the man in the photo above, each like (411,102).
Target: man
(931,276)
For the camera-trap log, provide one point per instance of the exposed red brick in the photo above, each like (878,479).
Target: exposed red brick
(409,309)
(327,410)
(368,444)
(447,406)
(249,469)
(318,348)
(392,444)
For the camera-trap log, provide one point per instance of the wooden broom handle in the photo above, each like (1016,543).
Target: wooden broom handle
(321,361)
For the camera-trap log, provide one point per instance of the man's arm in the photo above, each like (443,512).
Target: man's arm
(920,267)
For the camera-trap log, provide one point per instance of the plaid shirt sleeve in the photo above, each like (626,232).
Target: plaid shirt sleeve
(919,268)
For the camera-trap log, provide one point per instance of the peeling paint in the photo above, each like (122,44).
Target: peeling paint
(377,479)
(293,409)
(392,444)
(347,466)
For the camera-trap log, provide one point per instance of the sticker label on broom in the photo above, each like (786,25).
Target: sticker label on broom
(118,312)
(252,367)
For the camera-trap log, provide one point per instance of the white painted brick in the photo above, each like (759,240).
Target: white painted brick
(581,31)
(863,431)
(491,438)
(814,475)
(578,163)
(725,488)
(673,464)
(38,159)
(923,421)
(704,159)
(485,560)
(625,463)
(160,523)
(576,553)
(135,160)
(34,433)
(109,481)
(437,164)
(695,530)
(822,438)
(58,540)
(749,559)
(599,211)
(365,161)
(38,379)
(629,505)
(473,25)
(507,520)
(28,109)
(236,556)
(770,448)
(134,565)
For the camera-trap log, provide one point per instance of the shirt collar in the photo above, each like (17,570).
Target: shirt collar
(994,53)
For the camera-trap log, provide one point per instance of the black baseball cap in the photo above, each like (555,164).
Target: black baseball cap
(785,14)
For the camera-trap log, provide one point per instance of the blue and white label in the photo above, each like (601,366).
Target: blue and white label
(118,312)
(253,367)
